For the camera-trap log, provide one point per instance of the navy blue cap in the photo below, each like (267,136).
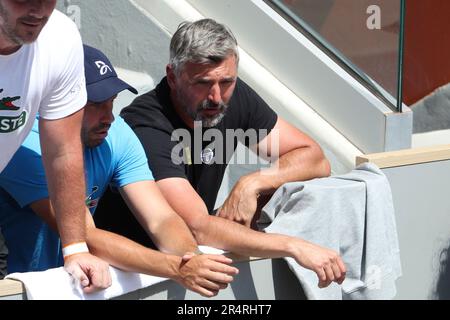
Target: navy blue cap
(102,82)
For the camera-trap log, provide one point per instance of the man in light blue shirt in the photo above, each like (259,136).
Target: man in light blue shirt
(113,157)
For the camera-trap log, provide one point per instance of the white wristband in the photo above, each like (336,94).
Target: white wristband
(71,249)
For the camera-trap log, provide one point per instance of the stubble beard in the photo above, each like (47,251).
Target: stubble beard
(196,114)
(7,31)
(12,35)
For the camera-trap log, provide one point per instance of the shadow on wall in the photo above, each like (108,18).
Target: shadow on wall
(443,283)
(130,38)
(432,112)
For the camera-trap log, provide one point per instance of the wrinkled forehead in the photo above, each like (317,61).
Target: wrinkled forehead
(225,68)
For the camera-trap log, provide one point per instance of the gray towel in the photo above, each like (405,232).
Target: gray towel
(352,214)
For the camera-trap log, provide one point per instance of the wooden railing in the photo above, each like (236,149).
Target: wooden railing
(407,156)
(11,288)
(15,289)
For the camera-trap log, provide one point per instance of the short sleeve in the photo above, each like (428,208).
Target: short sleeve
(24,176)
(131,163)
(159,147)
(67,93)
(255,112)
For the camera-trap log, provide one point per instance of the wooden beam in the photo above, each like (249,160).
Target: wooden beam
(11,287)
(406,157)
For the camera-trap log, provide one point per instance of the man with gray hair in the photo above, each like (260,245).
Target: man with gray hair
(202,92)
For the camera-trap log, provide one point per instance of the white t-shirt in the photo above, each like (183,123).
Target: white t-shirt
(46,76)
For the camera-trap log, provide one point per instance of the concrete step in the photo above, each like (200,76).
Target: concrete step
(141,81)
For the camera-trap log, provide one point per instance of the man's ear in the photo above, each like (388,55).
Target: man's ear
(171,78)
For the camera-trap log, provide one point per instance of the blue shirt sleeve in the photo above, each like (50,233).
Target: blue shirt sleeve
(131,161)
(24,176)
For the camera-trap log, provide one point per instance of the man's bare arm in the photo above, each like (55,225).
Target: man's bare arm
(300,158)
(168,231)
(96,268)
(297,158)
(231,236)
(205,274)
(62,156)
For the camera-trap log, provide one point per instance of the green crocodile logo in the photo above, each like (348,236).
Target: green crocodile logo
(10,124)
(6,104)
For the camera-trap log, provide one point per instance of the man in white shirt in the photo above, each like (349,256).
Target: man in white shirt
(42,71)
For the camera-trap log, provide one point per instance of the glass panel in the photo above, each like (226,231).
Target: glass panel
(427,70)
(364,35)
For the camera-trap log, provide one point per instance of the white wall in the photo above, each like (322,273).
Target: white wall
(422,205)
(130,38)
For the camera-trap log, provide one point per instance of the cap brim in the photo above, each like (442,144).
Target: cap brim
(106,89)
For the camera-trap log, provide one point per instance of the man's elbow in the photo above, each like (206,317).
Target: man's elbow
(322,165)
(197,226)
(324,169)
